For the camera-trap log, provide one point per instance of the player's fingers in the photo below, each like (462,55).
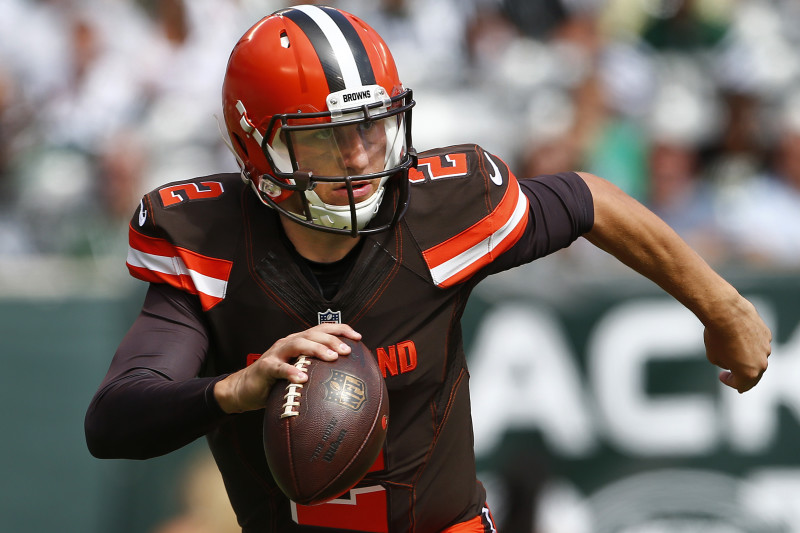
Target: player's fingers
(331,336)
(739,382)
(339,330)
(272,369)
(293,373)
(313,343)
(727,378)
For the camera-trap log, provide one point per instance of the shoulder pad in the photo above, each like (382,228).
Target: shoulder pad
(466,208)
(183,234)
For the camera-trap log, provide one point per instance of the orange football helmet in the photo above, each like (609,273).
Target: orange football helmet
(299,82)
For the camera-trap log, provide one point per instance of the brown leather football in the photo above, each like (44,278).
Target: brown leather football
(321,437)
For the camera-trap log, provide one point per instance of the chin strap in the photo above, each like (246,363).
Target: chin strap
(341,216)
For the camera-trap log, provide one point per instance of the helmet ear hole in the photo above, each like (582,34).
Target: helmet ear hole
(239,142)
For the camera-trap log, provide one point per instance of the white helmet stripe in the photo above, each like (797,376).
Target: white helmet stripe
(339,43)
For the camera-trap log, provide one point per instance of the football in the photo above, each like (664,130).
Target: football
(321,437)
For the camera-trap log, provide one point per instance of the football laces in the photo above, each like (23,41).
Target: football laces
(293,390)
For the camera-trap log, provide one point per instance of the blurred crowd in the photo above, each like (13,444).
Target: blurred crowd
(691,106)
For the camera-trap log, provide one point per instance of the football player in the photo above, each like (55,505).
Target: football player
(336,227)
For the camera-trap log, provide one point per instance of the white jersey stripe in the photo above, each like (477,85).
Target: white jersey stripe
(465,259)
(174,266)
(337,40)
(487,516)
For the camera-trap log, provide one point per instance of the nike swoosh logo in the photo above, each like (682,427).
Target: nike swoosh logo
(142,213)
(494,175)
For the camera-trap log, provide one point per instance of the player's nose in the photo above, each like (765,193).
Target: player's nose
(353,149)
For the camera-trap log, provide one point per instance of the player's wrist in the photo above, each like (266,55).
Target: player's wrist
(722,307)
(211,399)
(224,394)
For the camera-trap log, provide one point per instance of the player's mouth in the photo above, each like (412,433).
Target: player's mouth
(361,191)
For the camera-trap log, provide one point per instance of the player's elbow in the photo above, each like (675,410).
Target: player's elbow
(107,433)
(97,445)
(99,437)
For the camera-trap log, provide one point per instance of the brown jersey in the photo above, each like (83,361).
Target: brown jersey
(212,239)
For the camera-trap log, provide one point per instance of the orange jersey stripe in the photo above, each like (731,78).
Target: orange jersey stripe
(159,261)
(461,256)
(483,523)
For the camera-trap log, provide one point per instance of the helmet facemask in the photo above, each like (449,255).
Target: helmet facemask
(308,149)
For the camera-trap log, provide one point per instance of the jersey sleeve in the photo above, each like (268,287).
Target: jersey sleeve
(155,398)
(180,236)
(471,217)
(466,210)
(151,401)
(560,209)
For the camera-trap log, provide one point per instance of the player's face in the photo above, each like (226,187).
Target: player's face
(343,151)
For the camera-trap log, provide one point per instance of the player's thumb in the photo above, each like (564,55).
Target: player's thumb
(727,378)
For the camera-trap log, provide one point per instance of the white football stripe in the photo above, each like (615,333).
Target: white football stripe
(462,261)
(347,62)
(175,266)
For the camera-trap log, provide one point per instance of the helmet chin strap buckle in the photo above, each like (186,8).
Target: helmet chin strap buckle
(269,188)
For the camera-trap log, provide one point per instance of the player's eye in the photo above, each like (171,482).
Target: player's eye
(323,134)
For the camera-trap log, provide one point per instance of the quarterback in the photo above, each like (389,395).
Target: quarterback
(336,227)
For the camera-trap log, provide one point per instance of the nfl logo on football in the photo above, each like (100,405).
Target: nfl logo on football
(329,317)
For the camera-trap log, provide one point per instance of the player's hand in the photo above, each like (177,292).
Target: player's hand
(740,344)
(247,389)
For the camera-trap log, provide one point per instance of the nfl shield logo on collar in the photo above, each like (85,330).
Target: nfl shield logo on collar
(329,317)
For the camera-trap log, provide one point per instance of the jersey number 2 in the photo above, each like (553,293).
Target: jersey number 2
(362,509)
(439,167)
(187,192)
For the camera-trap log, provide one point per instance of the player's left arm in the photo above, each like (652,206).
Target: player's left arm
(736,337)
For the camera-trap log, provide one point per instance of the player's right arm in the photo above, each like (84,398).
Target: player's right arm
(151,401)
